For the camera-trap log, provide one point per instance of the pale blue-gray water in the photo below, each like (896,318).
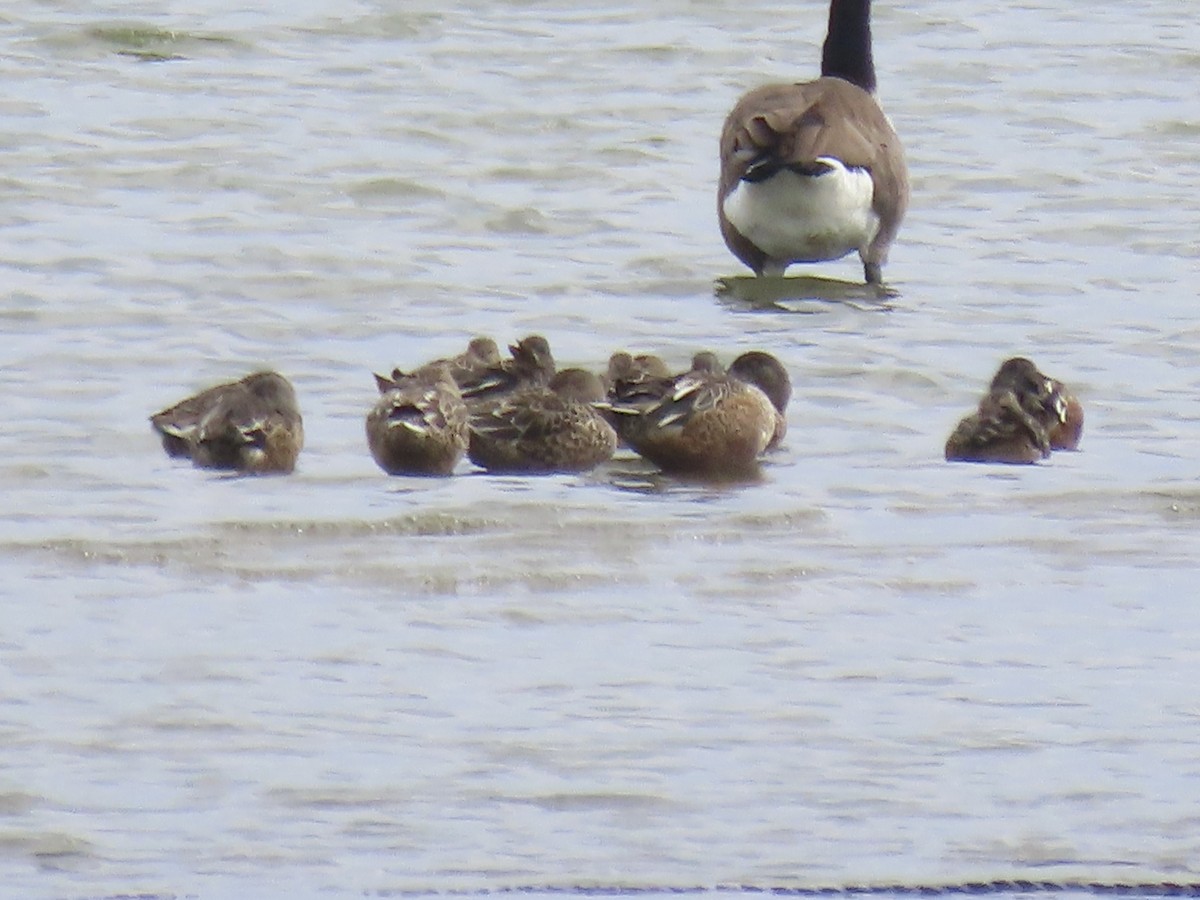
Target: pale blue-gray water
(871,666)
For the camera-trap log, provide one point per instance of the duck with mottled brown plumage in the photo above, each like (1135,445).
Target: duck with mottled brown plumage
(1047,399)
(542,429)
(418,426)
(1024,415)
(252,426)
(531,364)
(1001,430)
(624,366)
(481,354)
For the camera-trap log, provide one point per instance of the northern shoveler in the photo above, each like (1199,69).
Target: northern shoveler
(704,422)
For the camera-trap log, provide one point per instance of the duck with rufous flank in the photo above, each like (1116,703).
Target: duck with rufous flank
(760,368)
(704,422)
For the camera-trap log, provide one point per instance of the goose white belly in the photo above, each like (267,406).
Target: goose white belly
(803,218)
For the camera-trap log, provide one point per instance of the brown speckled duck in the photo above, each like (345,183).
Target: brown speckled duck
(1001,430)
(531,364)
(418,426)
(623,366)
(481,354)
(1024,416)
(551,428)
(1048,399)
(252,426)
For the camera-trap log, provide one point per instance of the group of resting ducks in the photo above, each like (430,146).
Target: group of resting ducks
(522,414)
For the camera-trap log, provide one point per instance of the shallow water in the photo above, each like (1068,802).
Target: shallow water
(871,666)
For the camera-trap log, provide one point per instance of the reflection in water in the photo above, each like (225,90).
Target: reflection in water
(802,293)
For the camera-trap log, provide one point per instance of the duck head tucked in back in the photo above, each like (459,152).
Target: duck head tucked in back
(419,425)
(1048,399)
(1024,415)
(552,428)
(252,426)
(481,354)
(531,364)
(701,423)
(623,366)
(1001,430)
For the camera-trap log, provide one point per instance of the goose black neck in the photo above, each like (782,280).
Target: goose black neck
(847,52)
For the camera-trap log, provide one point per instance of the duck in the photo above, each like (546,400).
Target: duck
(1024,415)
(704,422)
(760,368)
(1067,433)
(1001,430)
(814,171)
(1047,399)
(541,429)
(252,426)
(418,426)
(624,366)
(481,354)
(634,389)
(628,369)
(530,364)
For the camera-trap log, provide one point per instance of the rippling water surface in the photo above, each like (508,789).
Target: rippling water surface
(871,666)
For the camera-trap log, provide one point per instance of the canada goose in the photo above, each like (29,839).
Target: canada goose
(813,171)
